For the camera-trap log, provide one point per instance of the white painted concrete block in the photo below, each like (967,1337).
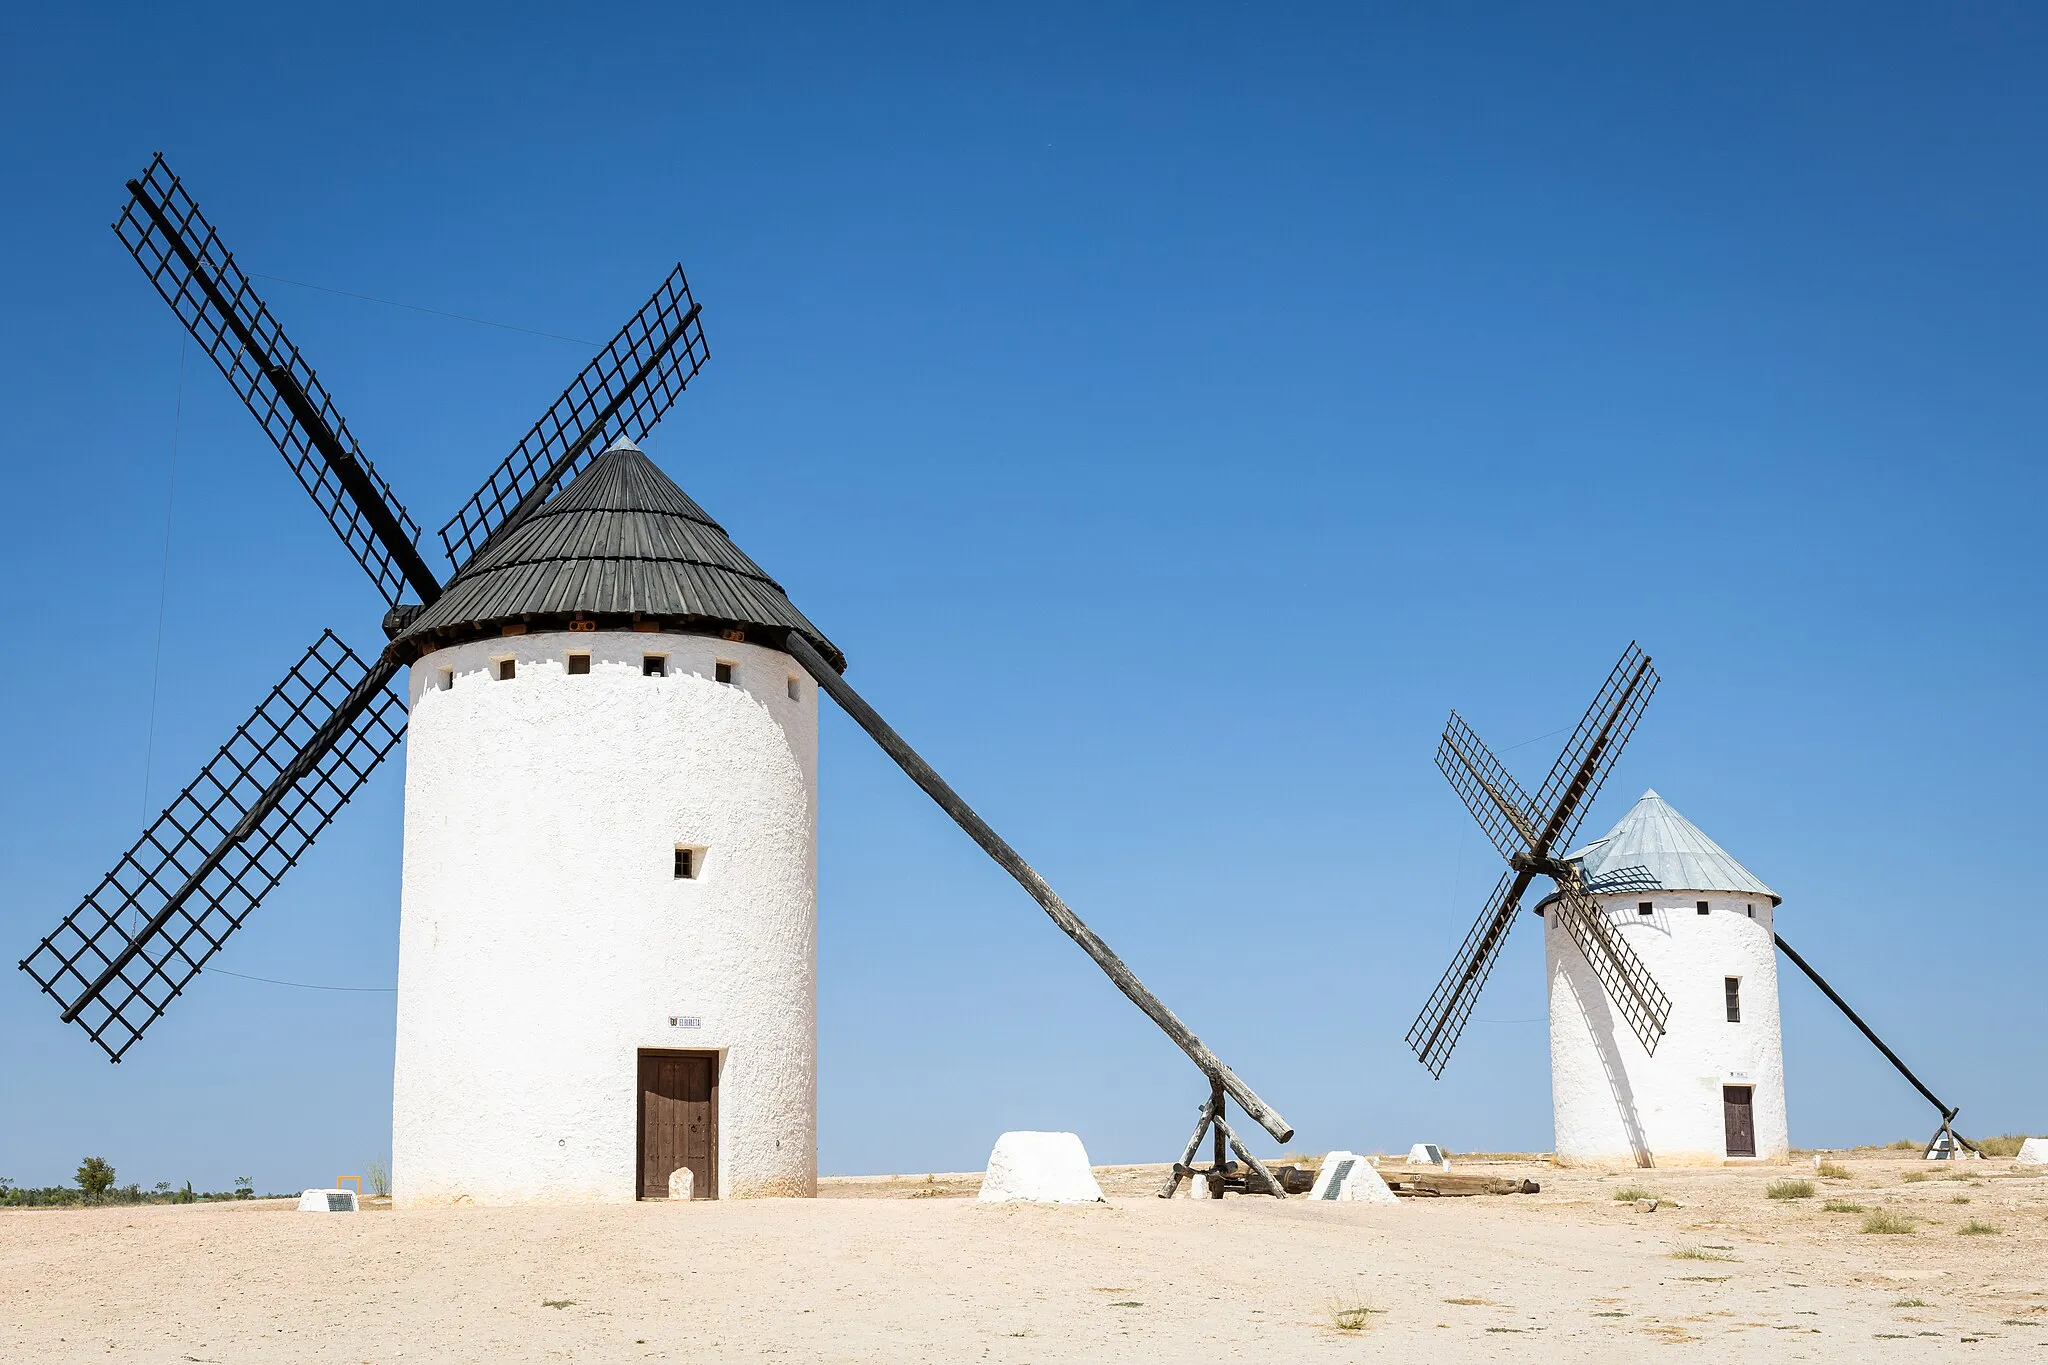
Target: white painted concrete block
(328,1201)
(2033,1152)
(682,1183)
(1349,1176)
(1039,1168)
(1193,1187)
(1428,1154)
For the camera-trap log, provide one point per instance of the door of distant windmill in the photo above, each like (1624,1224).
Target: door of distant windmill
(1740,1118)
(678,1121)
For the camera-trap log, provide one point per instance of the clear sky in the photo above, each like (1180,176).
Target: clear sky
(1173,412)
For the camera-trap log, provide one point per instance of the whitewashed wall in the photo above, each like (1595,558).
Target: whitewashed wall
(545,939)
(1616,1105)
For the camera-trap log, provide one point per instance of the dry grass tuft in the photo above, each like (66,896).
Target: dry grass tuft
(557,1303)
(1352,1317)
(1911,1303)
(2005,1144)
(1843,1206)
(1886,1222)
(1832,1170)
(1789,1189)
(1973,1228)
(1960,1199)
(1915,1177)
(1698,1254)
(1472,1303)
(1628,1194)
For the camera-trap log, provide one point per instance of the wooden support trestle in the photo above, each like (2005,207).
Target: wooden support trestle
(1222,1174)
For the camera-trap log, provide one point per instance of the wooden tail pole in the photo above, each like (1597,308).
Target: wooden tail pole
(1070,923)
(1947,1114)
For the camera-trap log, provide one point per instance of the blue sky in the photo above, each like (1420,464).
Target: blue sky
(1173,412)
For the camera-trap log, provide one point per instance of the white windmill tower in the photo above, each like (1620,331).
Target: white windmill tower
(1702,925)
(608,942)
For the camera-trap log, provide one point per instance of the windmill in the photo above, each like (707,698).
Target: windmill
(146,932)
(1529,834)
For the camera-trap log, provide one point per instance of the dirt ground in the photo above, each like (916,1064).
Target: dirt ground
(909,1268)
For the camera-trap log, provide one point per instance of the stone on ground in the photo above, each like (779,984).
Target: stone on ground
(1349,1176)
(682,1183)
(328,1201)
(1039,1168)
(2033,1152)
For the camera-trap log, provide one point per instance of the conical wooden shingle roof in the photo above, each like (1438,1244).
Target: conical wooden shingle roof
(620,545)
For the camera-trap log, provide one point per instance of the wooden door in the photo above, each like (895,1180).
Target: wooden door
(1741,1122)
(678,1121)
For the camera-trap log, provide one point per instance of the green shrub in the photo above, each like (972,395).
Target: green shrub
(1843,1206)
(1628,1194)
(1830,1170)
(1886,1222)
(1973,1228)
(1789,1189)
(95,1177)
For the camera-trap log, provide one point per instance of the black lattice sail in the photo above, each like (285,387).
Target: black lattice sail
(1526,833)
(191,880)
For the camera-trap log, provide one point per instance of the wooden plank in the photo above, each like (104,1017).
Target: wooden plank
(1444,1184)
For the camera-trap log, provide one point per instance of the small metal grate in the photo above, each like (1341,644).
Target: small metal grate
(622,392)
(197,826)
(183,256)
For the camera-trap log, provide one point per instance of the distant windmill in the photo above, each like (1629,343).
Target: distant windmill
(610,808)
(1716,1093)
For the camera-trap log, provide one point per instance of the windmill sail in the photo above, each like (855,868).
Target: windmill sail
(184,258)
(118,960)
(1441,1023)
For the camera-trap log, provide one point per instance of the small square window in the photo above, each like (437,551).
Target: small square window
(507,670)
(1643,907)
(1701,906)
(1732,987)
(447,678)
(579,663)
(721,672)
(654,665)
(686,864)
(795,692)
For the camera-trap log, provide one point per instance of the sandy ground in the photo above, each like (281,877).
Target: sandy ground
(906,1269)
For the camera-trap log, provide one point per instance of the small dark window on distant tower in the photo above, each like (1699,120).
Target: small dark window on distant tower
(794,694)
(1733,987)
(1701,906)
(721,672)
(507,669)
(654,665)
(579,663)
(1642,907)
(1752,911)
(686,864)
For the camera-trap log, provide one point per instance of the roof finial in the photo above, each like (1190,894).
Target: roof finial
(623,444)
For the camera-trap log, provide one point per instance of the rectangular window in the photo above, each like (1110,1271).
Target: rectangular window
(721,672)
(579,663)
(447,678)
(794,693)
(654,665)
(1752,911)
(1733,988)
(507,669)
(1701,906)
(686,864)
(1642,907)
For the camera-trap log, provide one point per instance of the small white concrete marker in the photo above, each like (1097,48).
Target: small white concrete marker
(2033,1152)
(328,1201)
(1428,1154)
(1350,1177)
(1039,1168)
(682,1183)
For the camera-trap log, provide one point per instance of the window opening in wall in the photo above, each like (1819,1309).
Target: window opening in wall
(579,663)
(1701,906)
(794,693)
(1642,907)
(507,670)
(654,665)
(687,863)
(721,672)
(1751,909)
(1733,987)
(447,678)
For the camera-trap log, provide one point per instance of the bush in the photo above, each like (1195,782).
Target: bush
(1843,1206)
(1886,1222)
(95,1177)
(1973,1228)
(1628,1194)
(1789,1189)
(2005,1144)
(378,1177)
(1829,1170)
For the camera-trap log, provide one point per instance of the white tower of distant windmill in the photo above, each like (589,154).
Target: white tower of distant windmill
(1701,922)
